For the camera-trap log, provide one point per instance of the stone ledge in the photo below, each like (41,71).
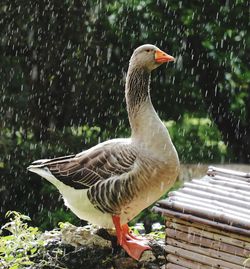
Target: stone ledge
(82,247)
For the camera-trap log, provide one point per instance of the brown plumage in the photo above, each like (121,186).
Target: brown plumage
(112,182)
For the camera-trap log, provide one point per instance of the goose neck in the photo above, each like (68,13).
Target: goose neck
(137,90)
(141,113)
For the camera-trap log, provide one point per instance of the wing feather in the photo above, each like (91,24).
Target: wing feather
(85,170)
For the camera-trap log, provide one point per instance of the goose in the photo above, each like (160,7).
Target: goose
(112,182)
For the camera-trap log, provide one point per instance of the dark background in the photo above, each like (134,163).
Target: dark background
(62,72)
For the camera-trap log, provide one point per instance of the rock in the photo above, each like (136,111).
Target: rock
(147,256)
(86,247)
(125,263)
(77,236)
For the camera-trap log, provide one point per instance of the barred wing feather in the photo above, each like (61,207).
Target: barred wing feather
(84,170)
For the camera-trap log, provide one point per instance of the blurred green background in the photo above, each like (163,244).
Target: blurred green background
(62,73)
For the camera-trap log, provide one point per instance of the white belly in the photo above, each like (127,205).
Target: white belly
(79,204)
(77,201)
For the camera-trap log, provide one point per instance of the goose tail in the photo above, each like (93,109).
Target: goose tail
(40,167)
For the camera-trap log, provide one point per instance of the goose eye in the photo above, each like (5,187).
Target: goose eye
(148,50)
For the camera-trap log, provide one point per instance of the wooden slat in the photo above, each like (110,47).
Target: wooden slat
(200,258)
(207,239)
(212,201)
(216,170)
(173,266)
(234,180)
(230,193)
(222,181)
(202,227)
(208,222)
(186,263)
(210,235)
(170,213)
(223,216)
(231,196)
(223,256)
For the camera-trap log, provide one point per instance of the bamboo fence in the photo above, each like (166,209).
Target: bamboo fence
(208,222)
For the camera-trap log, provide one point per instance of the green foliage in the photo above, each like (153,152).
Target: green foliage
(18,249)
(158,234)
(77,77)
(27,247)
(197,139)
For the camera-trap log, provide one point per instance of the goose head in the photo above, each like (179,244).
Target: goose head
(149,57)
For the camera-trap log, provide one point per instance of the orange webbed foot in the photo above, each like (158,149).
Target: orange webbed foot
(131,244)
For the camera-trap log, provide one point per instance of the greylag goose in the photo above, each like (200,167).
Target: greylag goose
(112,182)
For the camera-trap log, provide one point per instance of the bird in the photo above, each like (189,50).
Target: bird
(112,182)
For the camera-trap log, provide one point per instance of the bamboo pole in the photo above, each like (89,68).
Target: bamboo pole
(214,236)
(186,263)
(223,181)
(216,170)
(212,201)
(225,216)
(202,227)
(241,181)
(173,266)
(209,252)
(208,240)
(219,187)
(170,213)
(201,258)
(220,238)
(204,186)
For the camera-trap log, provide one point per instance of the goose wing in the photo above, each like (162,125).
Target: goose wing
(97,164)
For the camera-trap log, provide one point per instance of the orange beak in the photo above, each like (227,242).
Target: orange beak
(162,57)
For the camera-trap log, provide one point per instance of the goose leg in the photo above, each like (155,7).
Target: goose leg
(131,244)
